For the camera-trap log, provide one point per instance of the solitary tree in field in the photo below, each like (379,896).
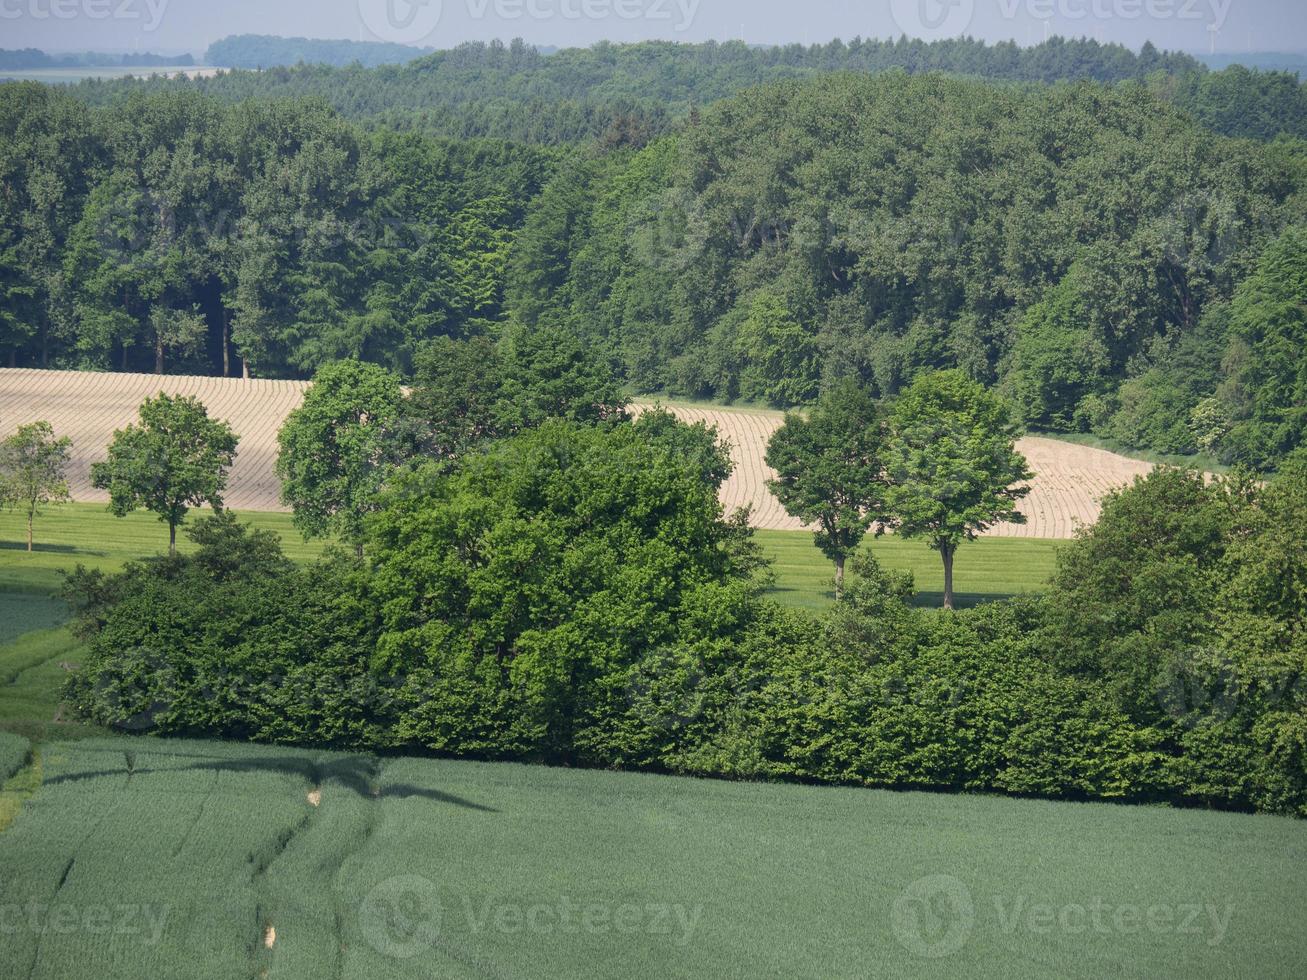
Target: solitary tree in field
(953,464)
(338,447)
(830,471)
(32,464)
(177,458)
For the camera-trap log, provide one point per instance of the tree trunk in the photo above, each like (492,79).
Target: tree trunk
(226,347)
(947,551)
(124,355)
(245,369)
(13,357)
(29,531)
(839,578)
(358,550)
(172,539)
(158,355)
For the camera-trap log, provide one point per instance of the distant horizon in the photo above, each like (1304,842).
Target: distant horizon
(429,48)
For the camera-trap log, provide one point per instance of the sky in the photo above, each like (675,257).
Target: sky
(172,26)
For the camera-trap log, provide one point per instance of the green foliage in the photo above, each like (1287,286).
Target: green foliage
(952,462)
(177,458)
(1057,361)
(549,374)
(830,471)
(618,94)
(32,465)
(518,591)
(338,448)
(264,51)
(1268,385)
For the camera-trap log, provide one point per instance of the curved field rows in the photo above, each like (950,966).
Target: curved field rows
(1069,480)
(89,407)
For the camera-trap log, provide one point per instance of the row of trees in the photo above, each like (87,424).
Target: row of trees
(941,465)
(1101,258)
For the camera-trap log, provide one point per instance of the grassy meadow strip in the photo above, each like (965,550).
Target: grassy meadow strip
(143,857)
(990,568)
(87,534)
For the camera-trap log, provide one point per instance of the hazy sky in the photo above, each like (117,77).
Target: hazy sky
(189,25)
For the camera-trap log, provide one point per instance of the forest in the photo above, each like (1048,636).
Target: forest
(1095,248)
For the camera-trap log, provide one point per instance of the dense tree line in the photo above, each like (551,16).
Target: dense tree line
(173,232)
(1070,245)
(264,51)
(513,91)
(1091,250)
(12,59)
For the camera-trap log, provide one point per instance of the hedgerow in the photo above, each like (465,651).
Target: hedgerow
(573,596)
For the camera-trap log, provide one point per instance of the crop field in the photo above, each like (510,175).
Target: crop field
(1070,479)
(145,858)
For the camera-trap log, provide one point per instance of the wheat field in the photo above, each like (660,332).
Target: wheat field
(1069,482)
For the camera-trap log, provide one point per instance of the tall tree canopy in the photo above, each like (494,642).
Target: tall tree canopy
(953,465)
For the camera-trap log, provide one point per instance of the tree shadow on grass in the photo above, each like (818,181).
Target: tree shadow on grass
(962,600)
(49,549)
(358,774)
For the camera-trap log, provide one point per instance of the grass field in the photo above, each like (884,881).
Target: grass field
(143,858)
(991,568)
(88,534)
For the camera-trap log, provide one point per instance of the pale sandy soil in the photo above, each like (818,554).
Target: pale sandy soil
(1070,480)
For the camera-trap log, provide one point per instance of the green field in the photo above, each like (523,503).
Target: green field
(144,858)
(88,534)
(991,568)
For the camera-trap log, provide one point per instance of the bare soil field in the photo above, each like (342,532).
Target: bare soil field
(88,407)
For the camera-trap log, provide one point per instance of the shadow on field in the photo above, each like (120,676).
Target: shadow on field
(52,549)
(355,773)
(920,600)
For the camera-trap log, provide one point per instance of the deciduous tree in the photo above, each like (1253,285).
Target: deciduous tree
(953,464)
(32,464)
(175,459)
(830,471)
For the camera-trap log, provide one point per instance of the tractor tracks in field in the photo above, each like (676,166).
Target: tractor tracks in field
(297,890)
